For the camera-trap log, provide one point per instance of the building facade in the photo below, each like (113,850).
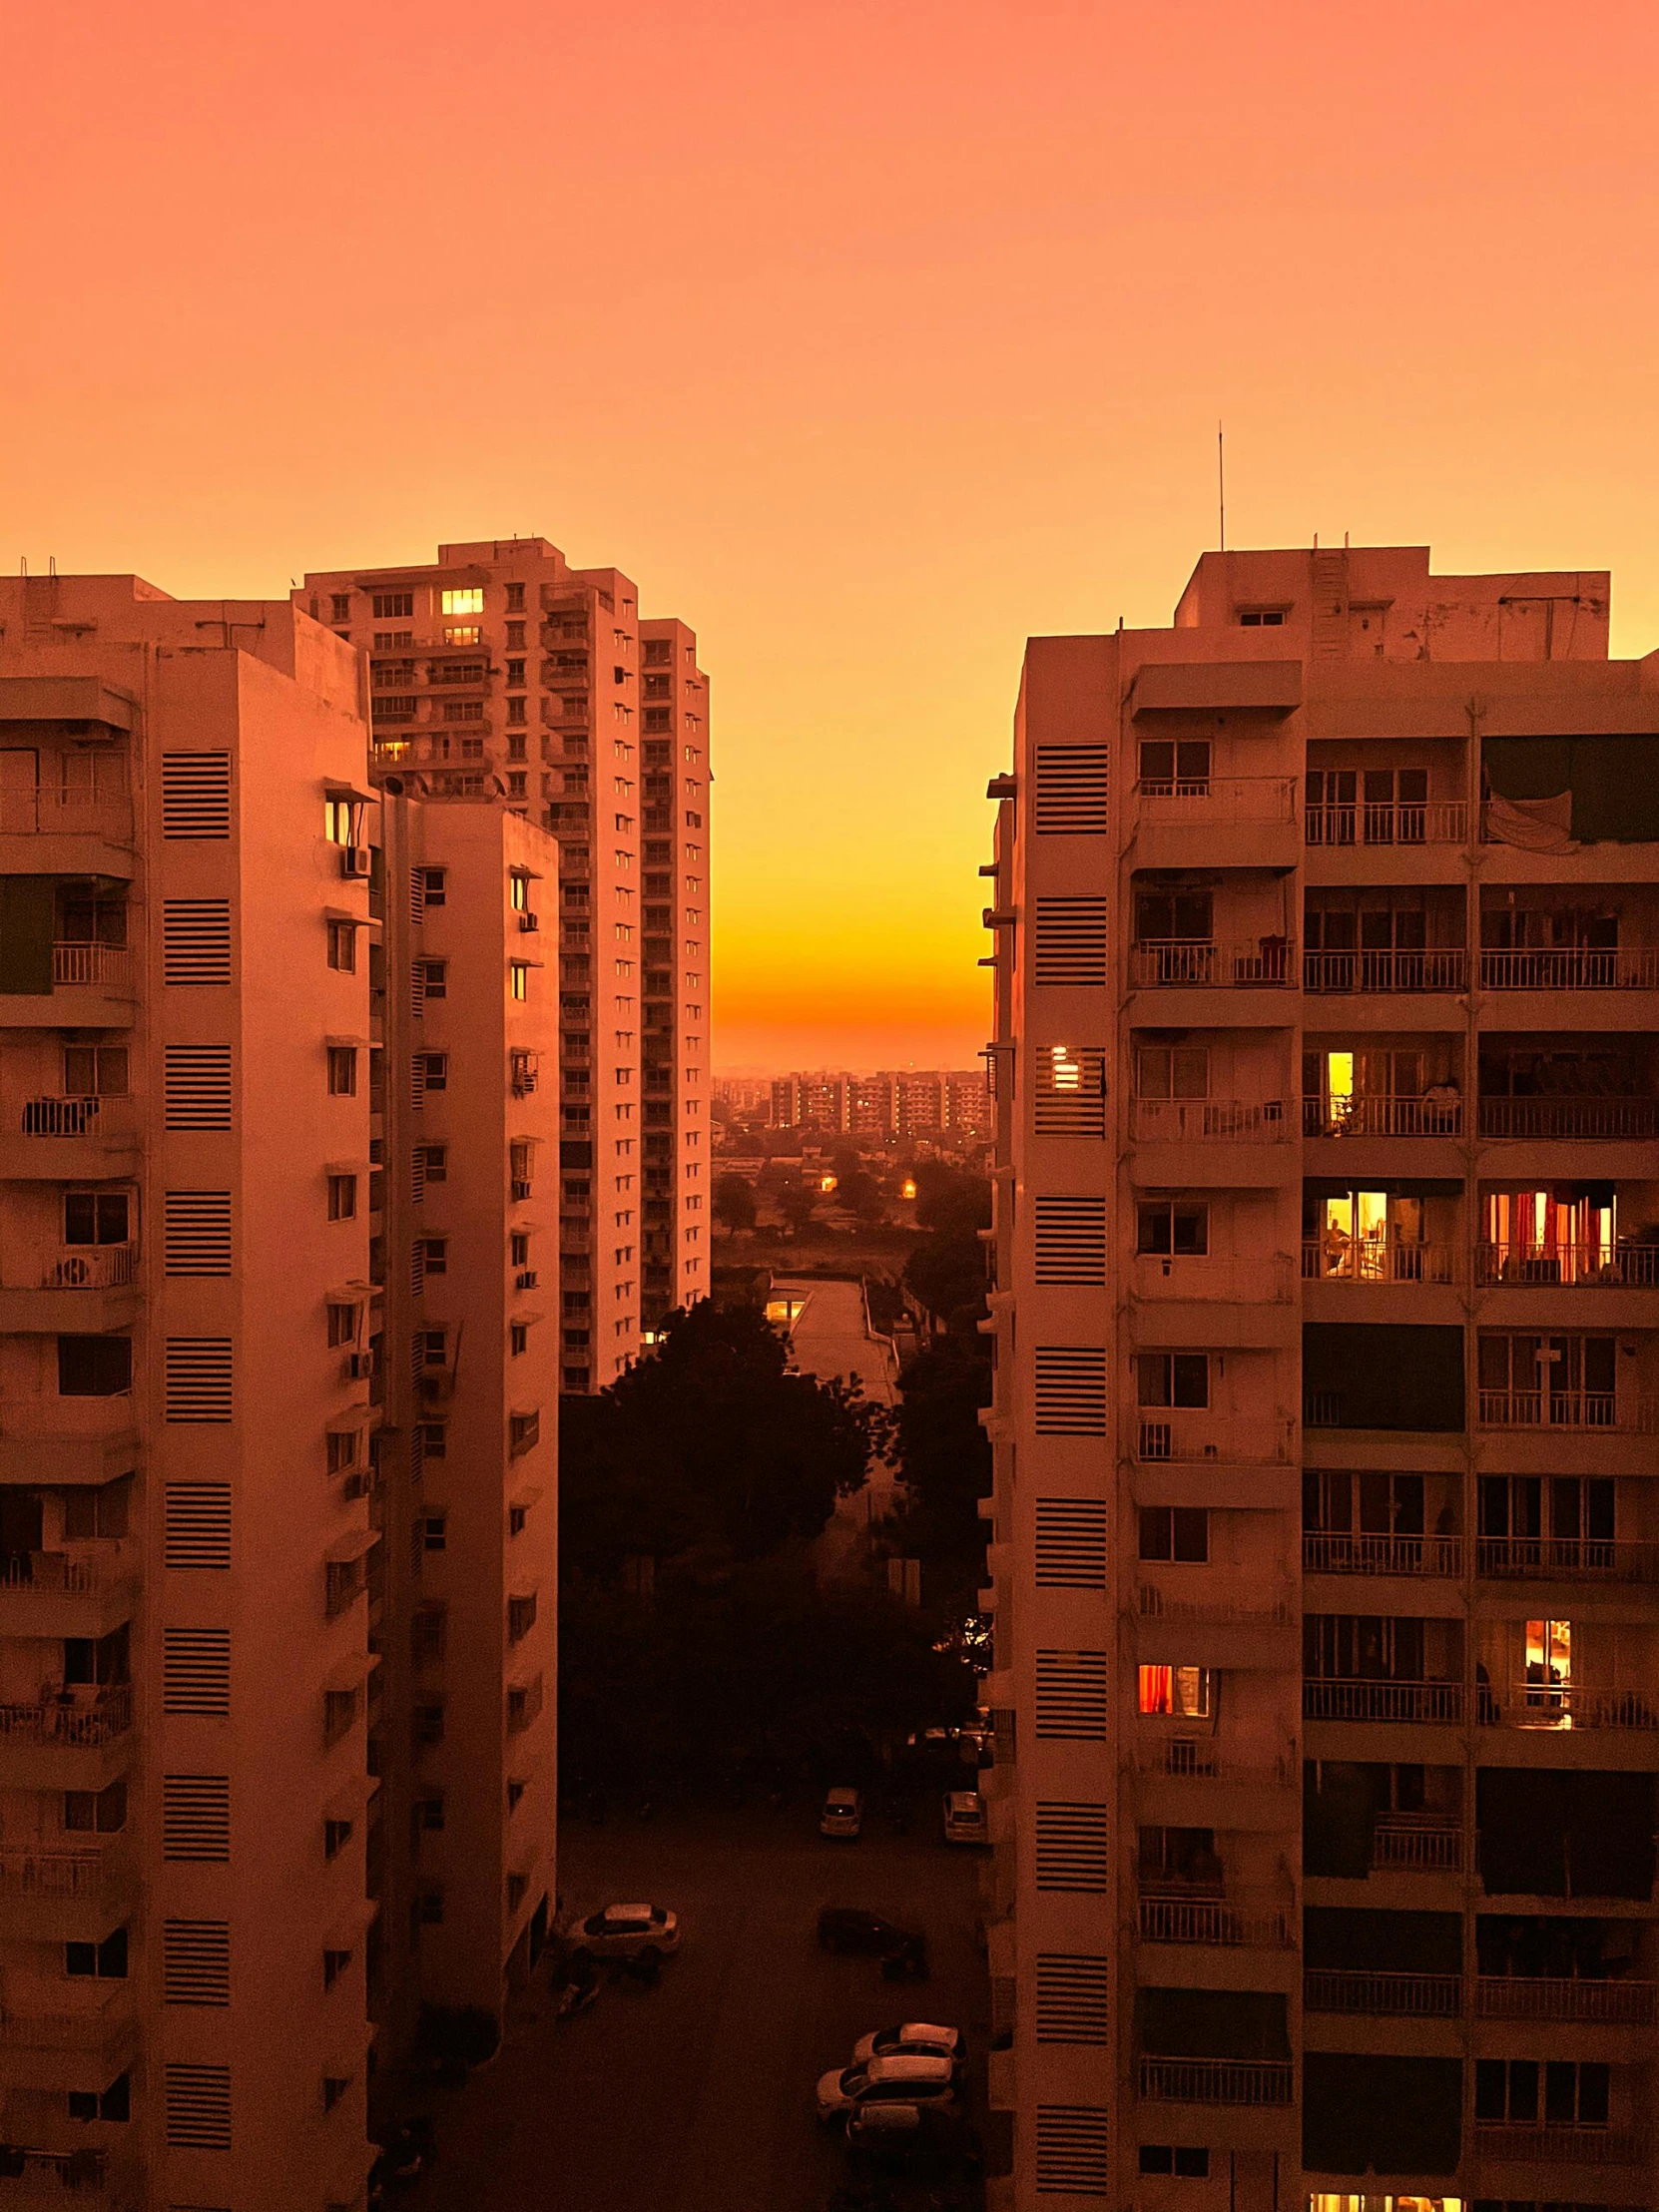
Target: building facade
(500,672)
(1325,1553)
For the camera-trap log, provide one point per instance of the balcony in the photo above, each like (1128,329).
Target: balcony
(57,1893)
(1439,1113)
(1201,1759)
(1558,2147)
(1417,1996)
(1587,1120)
(1175,963)
(1238,1610)
(1409,822)
(32,2180)
(1416,1842)
(1215,802)
(1247,2081)
(77,1288)
(1567,1705)
(1601,1411)
(57,1719)
(1529,1265)
(1342,1552)
(92,989)
(1213,1920)
(56,2051)
(1572,968)
(1438,1703)
(1266,1280)
(1379,1261)
(1210,1121)
(59,1594)
(1567,1998)
(1202,1438)
(1565,1559)
(1428,968)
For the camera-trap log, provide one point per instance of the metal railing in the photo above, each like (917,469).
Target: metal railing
(43,2175)
(1416,1842)
(1210,1120)
(1200,1759)
(1202,801)
(1326,1699)
(1378,1259)
(1571,2147)
(66,1573)
(1212,1920)
(88,2030)
(1206,1437)
(1264,1281)
(1425,968)
(1605,1120)
(1216,2080)
(60,1117)
(1523,1266)
(1342,1551)
(1251,963)
(90,966)
(1601,1410)
(1156,1604)
(1565,1997)
(1572,1559)
(90,1268)
(1572,968)
(30,1871)
(1353,1114)
(1567,1705)
(1423,1997)
(1410,821)
(70,1726)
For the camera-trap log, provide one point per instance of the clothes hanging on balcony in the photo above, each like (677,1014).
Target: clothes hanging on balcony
(1589,790)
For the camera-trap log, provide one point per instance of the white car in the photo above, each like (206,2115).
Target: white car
(925,2036)
(628,1932)
(843,1813)
(905,2078)
(964,1816)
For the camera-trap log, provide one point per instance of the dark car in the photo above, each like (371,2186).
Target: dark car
(845,1927)
(912,2138)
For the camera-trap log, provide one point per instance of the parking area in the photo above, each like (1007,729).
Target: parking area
(697,2095)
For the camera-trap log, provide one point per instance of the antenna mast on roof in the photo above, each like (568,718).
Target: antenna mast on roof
(1221,483)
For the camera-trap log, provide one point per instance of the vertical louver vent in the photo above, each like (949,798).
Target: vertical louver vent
(1071,941)
(197,1086)
(1071,1240)
(195,1234)
(198,1379)
(1073,1999)
(1071,1390)
(196,1672)
(196,940)
(196,1962)
(1073,785)
(417,896)
(1071,1697)
(1072,2158)
(417,989)
(417,1175)
(197,2107)
(196,795)
(1071,1543)
(195,1818)
(198,1524)
(1073,1848)
(1070,1084)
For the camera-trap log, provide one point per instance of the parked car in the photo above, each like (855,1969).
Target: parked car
(905,2078)
(846,1928)
(925,2036)
(964,1816)
(628,1932)
(841,1814)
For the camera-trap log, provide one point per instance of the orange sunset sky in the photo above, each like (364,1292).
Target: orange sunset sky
(867,337)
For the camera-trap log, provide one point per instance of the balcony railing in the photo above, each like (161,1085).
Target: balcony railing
(1378,1259)
(72,1574)
(1591,1120)
(1263,1281)
(60,1117)
(1565,1559)
(1422,1996)
(1425,968)
(1342,1551)
(90,1268)
(1202,800)
(1212,1920)
(68,1724)
(1243,1609)
(91,966)
(1324,1699)
(1599,1410)
(1211,1121)
(1572,968)
(89,2030)
(1416,1842)
(26,1871)
(1568,1267)
(1564,1997)
(1352,1114)
(1567,1705)
(1216,2080)
(53,810)
(1414,821)
(1558,2147)
(1251,963)
(1203,1437)
(43,2176)
(1201,1759)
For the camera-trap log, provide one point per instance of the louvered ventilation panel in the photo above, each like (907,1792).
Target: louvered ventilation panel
(1073,1999)
(195,1818)
(198,1379)
(1071,1543)
(196,795)
(195,1962)
(195,1234)
(1072,1847)
(196,1672)
(197,2107)
(1073,785)
(1070,1090)
(1072,2154)
(196,942)
(198,1524)
(1071,1699)
(195,1082)
(1071,942)
(1070,1391)
(1071,1241)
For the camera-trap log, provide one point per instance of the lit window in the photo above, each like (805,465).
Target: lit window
(1187,1693)
(342,820)
(519,975)
(466,599)
(462,632)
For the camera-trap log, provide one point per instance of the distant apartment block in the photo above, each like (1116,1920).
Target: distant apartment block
(901,1103)
(502,673)
(1326,1545)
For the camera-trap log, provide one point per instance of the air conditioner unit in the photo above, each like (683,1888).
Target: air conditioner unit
(524,1082)
(520,1191)
(360,1366)
(355,861)
(359,1483)
(529,921)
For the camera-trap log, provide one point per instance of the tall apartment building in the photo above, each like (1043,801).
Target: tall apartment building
(1326,1543)
(187,1199)
(501,672)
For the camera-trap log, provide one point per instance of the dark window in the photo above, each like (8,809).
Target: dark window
(1173,1228)
(94,1366)
(1176,1533)
(342,1197)
(1173,764)
(342,947)
(342,1071)
(95,1071)
(1171,1378)
(94,1216)
(107,1961)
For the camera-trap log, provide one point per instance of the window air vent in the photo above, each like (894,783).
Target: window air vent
(1070,1391)
(1071,1240)
(1073,785)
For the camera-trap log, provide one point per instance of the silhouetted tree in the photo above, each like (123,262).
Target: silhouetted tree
(734,1202)
(946,1270)
(797,1203)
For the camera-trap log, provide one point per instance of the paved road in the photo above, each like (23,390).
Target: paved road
(696,2096)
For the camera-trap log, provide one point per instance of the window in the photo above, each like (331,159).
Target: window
(465,710)
(518,891)
(433,1439)
(94,1216)
(1171,1378)
(1175,767)
(394,606)
(1529,2092)
(435,1158)
(515,633)
(515,599)
(1173,1229)
(96,1812)
(463,632)
(1175,1532)
(342,1325)
(515,1793)
(518,1244)
(519,1338)
(1185,2161)
(339,603)
(95,1071)
(1186,1693)
(343,1076)
(112,2103)
(434,975)
(434,1067)
(433,881)
(94,1366)
(388,641)
(342,1450)
(335,2087)
(342,1198)
(465,599)
(334,1963)
(342,820)
(336,1834)
(434,1532)
(342,947)
(1262,618)
(519,975)
(104,1961)
(435,1251)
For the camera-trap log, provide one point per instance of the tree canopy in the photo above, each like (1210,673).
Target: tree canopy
(734,1202)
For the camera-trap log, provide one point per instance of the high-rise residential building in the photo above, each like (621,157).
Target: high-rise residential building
(502,673)
(817,1101)
(186,1414)
(1326,1546)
